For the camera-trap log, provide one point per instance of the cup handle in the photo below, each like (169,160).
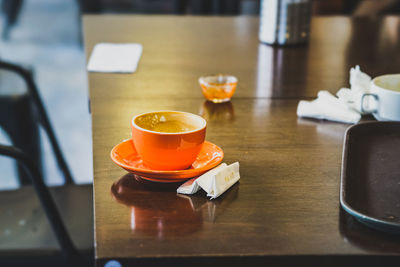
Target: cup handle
(362,102)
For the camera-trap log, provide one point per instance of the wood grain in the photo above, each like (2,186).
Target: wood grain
(178,50)
(287,201)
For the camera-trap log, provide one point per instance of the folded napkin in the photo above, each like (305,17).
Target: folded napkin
(121,58)
(359,84)
(346,107)
(215,182)
(327,107)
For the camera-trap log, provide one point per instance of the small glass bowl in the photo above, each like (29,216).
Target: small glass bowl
(218,88)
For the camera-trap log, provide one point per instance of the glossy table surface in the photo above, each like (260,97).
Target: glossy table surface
(287,201)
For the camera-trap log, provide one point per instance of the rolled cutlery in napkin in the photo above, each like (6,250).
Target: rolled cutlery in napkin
(120,58)
(346,107)
(215,182)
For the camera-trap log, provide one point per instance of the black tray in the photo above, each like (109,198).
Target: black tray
(370,182)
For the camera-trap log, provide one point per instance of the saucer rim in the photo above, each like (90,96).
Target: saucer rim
(163,180)
(167,174)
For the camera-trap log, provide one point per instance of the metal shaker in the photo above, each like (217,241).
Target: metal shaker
(284,22)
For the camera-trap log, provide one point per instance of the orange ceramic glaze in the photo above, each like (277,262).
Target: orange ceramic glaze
(173,150)
(125,155)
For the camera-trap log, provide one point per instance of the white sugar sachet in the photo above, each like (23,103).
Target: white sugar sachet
(191,186)
(221,181)
(215,182)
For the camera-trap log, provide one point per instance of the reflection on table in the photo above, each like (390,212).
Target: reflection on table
(217,112)
(168,213)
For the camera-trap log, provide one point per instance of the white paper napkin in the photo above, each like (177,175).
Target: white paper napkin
(346,107)
(359,84)
(327,107)
(215,182)
(120,58)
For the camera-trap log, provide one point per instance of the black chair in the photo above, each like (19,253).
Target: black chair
(26,238)
(17,118)
(11,10)
(25,112)
(45,251)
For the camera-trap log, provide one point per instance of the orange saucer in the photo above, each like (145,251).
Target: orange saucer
(124,155)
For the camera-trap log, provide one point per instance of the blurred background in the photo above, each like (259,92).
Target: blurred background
(44,36)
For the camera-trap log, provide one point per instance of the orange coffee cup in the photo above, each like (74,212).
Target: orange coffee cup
(168,140)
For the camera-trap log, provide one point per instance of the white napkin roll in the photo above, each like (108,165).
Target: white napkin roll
(359,81)
(120,58)
(360,84)
(215,182)
(327,107)
(347,106)
(353,100)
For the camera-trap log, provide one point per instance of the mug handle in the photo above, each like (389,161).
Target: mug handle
(362,102)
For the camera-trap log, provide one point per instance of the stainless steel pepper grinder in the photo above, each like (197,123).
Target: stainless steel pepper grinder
(284,22)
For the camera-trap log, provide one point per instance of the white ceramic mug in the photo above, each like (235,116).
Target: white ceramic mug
(386,91)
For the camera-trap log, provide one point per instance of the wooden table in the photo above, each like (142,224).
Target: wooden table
(286,207)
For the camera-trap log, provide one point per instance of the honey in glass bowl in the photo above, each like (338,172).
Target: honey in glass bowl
(218,88)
